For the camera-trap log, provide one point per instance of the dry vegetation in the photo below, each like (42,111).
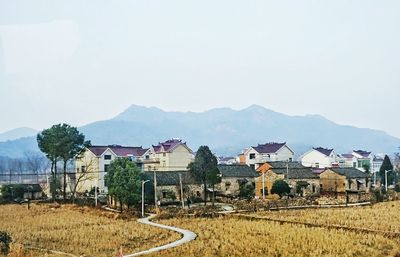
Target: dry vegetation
(238,237)
(80,231)
(381,216)
(95,233)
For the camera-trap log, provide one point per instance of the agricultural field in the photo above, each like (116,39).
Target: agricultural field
(89,232)
(79,231)
(236,237)
(379,217)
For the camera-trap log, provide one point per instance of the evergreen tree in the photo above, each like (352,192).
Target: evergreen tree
(280,187)
(386,166)
(204,163)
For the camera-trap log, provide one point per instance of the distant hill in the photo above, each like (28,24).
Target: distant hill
(17,133)
(228,131)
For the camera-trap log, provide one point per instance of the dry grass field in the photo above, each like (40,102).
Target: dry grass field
(80,231)
(381,216)
(95,233)
(238,238)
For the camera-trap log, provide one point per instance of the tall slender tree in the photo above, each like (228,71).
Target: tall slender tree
(386,166)
(204,163)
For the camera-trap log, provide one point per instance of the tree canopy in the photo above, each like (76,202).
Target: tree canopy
(204,163)
(386,166)
(61,142)
(280,187)
(124,181)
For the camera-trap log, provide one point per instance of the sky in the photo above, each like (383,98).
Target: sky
(83,61)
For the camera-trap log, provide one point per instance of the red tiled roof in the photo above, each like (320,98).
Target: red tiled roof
(121,151)
(269,147)
(168,145)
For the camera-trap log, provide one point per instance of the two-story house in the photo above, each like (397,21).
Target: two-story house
(95,161)
(364,159)
(319,157)
(255,156)
(170,155)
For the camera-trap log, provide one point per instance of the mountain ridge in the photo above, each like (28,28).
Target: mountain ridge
(229,131)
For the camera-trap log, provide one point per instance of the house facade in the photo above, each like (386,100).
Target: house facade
(364,159)
(170,155)
(255,156)
(342,180)
(302,180)
(93,165)
(320,158)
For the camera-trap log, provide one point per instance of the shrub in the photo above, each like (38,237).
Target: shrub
(280,187)
(5,241)
(397,187)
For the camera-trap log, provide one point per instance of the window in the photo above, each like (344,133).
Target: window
(317,165)
(106,166)
(354,164)
(313,188)
(164,194)
(253,166)
(147,157)
(252,156)
(83,168)
(227,185)
(290,159)
(107,157)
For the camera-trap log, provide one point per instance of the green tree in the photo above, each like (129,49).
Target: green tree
(204,162)
(386,166)
(61,142)
(280,187)
(246,190)
(124,182)
(5,241)
(213,178)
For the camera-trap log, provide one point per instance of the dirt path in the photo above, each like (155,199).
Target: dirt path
(187,237)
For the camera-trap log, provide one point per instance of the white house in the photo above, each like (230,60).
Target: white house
(364,158)
(95,162)
(320,158)
(255,156)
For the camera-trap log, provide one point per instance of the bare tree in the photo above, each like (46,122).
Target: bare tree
(35,162)
(86,172)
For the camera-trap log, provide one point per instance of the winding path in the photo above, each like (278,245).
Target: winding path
(187,237)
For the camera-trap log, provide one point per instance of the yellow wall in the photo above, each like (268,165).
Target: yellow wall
(333,182)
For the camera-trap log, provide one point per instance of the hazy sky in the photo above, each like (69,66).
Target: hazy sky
(82,61)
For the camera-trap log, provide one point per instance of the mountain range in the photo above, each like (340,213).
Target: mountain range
(225,130)
(17,133)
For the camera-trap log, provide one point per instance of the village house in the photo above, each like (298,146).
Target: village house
(364,159)
(342,180)
(301,179)
(170,155)
(255,156)
(169,188)
(320,158)
(227,160)
(94,164)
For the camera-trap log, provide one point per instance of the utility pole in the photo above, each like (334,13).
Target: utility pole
(386,185)
(155,190)
(180,182)
(143,182)
(263,185)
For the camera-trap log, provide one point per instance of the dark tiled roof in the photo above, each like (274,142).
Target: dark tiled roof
(120,151)
(237,170)
(170,178)
(362,153)
(347,155)
(295,169)
(324,151)
(282,165)
(350,172)
(269,147)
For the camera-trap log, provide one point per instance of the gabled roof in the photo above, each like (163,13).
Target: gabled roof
(349,172)
(170,178)
(237,170)
(169,145)
(295,170)
(348,155)
(118,150)
(362,153)
(269,147)
(324,151)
